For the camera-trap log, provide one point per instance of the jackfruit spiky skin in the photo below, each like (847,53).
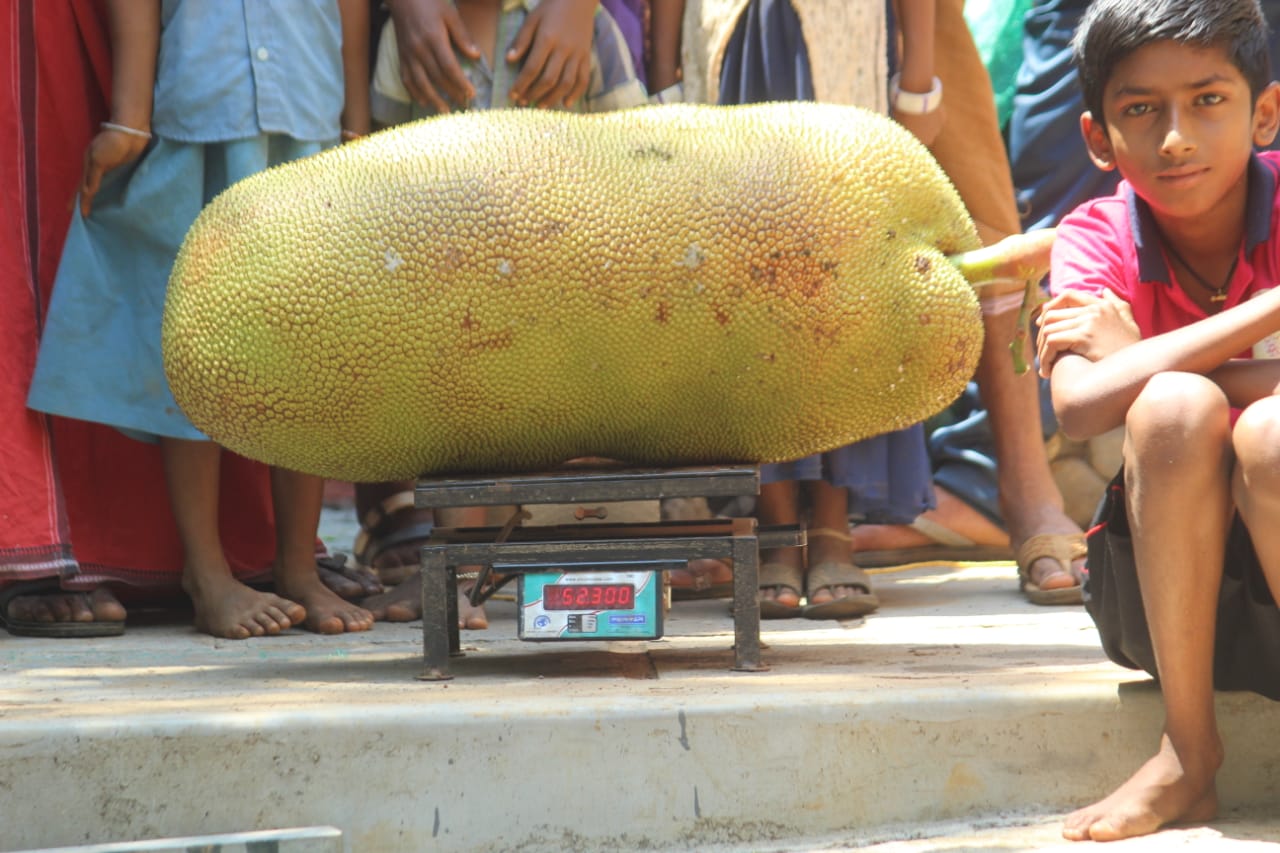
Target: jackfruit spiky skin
(505,290)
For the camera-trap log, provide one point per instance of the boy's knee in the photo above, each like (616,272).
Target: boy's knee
(1256,440)
(1179,407)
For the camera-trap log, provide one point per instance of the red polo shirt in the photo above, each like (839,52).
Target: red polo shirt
(1112,243)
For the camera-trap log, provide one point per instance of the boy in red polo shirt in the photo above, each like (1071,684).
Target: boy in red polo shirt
(1162,293)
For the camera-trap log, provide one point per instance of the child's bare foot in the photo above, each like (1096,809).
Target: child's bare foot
(1165,790)
(326,612)
(403,603)
(227,608)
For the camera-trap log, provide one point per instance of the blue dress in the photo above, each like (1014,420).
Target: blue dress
(219,115)
(888,477)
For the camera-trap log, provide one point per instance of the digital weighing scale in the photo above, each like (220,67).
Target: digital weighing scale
(597,581)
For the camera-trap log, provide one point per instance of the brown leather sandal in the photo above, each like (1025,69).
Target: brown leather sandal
(780,576)
(1066,548)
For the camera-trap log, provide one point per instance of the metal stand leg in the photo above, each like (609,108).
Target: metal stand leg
(746,606)
(438,634)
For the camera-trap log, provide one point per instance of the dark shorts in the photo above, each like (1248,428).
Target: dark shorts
(1247,647)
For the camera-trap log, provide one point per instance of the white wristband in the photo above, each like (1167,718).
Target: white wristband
(120,128)
(914,103)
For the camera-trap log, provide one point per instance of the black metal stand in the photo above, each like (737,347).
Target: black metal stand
(586,546)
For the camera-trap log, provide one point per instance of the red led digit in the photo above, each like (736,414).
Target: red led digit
(598,596)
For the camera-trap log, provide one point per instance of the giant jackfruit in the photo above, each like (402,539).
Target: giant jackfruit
(505,290)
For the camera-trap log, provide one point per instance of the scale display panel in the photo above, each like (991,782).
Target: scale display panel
(590,604)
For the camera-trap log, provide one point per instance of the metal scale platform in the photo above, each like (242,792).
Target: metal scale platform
(597,581)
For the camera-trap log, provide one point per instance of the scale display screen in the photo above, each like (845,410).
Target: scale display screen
(591,603)
(589,596)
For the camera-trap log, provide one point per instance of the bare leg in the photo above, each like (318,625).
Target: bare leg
(1029,499)
(779,503)
(1177,443)
(1256,483)
(224,606)
(830,511)
(296,499)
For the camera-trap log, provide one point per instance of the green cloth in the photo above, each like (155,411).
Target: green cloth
(997,29)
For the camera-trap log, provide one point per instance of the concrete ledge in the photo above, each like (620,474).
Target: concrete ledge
(957,702)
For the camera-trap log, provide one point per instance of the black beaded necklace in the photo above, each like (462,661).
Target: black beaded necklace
(1217,295)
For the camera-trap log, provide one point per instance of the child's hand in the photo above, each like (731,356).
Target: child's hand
(427,31)
(108,150)
(556,39)
(1091,326)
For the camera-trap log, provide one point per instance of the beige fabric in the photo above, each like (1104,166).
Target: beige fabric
(846,41)
(845,38)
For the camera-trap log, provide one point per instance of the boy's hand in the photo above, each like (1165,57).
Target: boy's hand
(427,31)
(108,150)
(555,44)
(1086,325)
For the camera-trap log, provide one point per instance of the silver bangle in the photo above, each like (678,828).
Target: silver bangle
(125,129)
(914,103)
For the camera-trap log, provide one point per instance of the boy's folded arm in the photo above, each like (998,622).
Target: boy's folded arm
(1084,406)
(1247,381)
(1091,397)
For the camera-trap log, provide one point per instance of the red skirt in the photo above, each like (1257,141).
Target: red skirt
(78,500)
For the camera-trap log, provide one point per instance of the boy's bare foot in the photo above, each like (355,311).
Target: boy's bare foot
(325,611)
(1165,790)
(99,605)
(403,603)
(227,608)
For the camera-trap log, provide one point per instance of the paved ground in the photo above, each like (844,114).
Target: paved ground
(957,719)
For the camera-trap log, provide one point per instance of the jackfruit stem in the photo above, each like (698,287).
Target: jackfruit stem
(1018,257)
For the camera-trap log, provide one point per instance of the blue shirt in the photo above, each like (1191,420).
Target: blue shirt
(231,69)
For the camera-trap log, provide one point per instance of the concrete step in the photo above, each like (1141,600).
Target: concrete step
(956,712)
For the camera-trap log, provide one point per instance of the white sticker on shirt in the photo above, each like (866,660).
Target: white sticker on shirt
(1268,347)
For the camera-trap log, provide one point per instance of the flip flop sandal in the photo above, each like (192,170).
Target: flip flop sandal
(832,574)
(948,547)
(1066,548)
(31,628)
(780,576)
(346,566)
(368,545)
